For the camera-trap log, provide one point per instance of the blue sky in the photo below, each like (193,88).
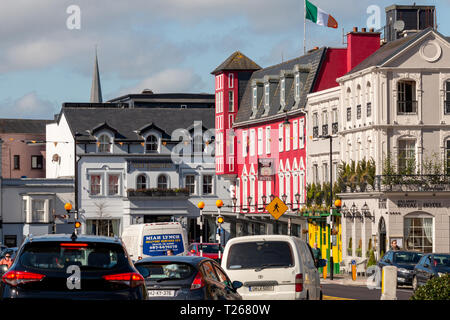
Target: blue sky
(163,45)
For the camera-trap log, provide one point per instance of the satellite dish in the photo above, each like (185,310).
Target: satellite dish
(399,25)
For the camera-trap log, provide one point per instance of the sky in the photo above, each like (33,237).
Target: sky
(47,47)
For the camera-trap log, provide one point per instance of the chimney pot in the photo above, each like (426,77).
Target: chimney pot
(372,30)
(355,29)
(363,30)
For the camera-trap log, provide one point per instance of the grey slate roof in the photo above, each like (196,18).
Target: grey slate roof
(310,62)
(388,50)
(237,61)
(23,125)
(127,120)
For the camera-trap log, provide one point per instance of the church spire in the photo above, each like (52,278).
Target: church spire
(96,89)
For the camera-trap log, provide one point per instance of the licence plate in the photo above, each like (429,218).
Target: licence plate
(260,288)
(161,293)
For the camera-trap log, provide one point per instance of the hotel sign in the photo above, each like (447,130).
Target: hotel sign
(418,204)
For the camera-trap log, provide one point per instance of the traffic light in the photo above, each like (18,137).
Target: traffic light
(219,220)
(77,224)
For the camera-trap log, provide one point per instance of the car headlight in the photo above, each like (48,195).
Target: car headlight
(440,274)
(403,270)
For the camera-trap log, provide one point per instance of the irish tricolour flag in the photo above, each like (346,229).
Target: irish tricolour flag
(317,15)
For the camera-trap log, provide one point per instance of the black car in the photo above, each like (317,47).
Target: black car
(430,265)
(70,267)
(404,261)
(186,278)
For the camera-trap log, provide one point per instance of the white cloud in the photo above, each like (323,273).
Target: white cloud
(30,106)
(170,80)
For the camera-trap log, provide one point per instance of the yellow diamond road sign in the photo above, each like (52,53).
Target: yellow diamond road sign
(276,208)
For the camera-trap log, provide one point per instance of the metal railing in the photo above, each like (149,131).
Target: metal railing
(407,107)
(334,128)
(315,132)
(325,130)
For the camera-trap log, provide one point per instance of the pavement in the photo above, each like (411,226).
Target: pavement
(345,280)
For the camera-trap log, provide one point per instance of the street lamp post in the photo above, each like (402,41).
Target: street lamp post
(201,205)
(219,204)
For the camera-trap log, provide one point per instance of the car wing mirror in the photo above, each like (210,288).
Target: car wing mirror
(3,269)
(321,263)
(236,285)
(426,265)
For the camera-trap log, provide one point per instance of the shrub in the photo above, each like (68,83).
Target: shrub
(438,288)
(372,261)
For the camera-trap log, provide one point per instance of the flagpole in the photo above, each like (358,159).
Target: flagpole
(304,27)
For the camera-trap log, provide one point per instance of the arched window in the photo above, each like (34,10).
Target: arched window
(162,182)
(141,182)
(151,144)
(104,143)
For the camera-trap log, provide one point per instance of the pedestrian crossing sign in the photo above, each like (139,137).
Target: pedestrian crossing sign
(276,208)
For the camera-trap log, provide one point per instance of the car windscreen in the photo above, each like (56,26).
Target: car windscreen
(407,257)
(57,256)
(160,271)
(210,248)
(441,260)
(264,254)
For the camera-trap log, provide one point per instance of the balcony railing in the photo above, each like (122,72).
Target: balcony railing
(334,128)
(183,192)
(407,107)
(325,130)
(400,183)
(315,132)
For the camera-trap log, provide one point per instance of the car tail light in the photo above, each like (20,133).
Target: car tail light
(299,282)
(73,245)
(198,282)
(131,279)
(13,278)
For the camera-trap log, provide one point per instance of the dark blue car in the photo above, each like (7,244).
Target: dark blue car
(186,278)
(430,265)
(405,262)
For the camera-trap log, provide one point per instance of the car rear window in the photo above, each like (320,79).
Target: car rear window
(87,255)
(442,260)
(266,254)
(210,248)
(160,271)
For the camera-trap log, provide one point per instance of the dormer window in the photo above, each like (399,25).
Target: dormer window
(151,144)
(104,143)
(283,92)
(255,96)
(297,87)
(266,94)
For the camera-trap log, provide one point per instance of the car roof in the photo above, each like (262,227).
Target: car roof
(183,259)
(203,243)
(272,237)
(68,237)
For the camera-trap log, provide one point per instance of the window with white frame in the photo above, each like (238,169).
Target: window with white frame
(207,184)
(315,123)
(325,172)
(283,91)
(281,184)
(295,135)
(163,182)
(266,95)
(407,156)
(302,133)
(151,144)
(280,137)
(113,184)
(268,140)
(231,80)
(103,227)
(447,156)
(255,97)
(406,103)
(244,143)
(252,142)
(244,192)
(189,183)
(297,87)
(38,212)
(334,122)
(418,234)
(287,137)
(141,182)
(231,120)
(37,162)
(302,187)
(260,141)
(324,123)
(268,190)
(447,97)
(230,144)
(288,187)
(95,184)
(315,173)
(217,103)
(231,100)
(104,143)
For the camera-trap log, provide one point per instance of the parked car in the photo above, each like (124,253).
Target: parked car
(186,278)
(405,262)
(430,265)
(210,250)
(273,267)
(61,266)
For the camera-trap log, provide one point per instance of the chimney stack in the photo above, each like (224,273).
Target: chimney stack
(360,45)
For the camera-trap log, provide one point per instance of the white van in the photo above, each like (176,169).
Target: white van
(272,267)
(154,239)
